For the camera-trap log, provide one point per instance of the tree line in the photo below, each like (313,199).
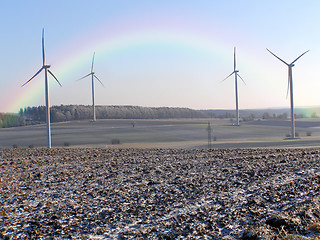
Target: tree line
(36,115)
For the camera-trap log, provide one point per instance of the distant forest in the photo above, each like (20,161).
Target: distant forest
(36,115)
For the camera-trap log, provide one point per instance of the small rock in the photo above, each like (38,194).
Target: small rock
(276,222)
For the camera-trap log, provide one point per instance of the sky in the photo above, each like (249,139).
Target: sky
(161,53)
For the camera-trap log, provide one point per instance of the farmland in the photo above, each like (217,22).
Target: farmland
(102,193)
(174,133)
(159,182)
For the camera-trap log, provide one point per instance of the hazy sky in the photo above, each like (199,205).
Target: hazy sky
(160,53)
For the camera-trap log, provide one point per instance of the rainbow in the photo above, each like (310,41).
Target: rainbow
(109,44)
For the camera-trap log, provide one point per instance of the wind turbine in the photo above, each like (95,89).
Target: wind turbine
(235,72)
(46,70)
(290,85)
(92,73)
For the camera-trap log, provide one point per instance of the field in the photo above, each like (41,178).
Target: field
(182,133)
(160,181)
(103,193)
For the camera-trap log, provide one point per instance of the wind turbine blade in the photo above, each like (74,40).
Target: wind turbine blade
(92,62)
(43,54)
(84,76)
(288,83)
(54,77)
(228,76)
(241,79)
(234,59)
(98,80)
(300,56)
(277,57)
(33,77)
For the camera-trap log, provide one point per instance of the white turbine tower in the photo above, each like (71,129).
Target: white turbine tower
(92,73)
(235,72)
(46,70)
(290,85)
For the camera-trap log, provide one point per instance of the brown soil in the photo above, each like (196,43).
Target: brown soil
(96,193)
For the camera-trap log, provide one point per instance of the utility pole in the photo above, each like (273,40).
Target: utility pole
(209,129)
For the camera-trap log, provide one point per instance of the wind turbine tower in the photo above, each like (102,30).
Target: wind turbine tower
(235,72)
(92,73)
(46,70)
(290,85)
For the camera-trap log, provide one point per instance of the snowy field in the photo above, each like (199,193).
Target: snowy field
(103,193)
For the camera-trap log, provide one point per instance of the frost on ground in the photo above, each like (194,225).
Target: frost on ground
(96,193)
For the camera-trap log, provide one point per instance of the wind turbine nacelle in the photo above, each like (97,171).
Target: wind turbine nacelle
(46,66)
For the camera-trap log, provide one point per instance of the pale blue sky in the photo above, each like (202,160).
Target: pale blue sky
(160,53)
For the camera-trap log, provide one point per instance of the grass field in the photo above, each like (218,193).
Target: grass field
(176,133)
